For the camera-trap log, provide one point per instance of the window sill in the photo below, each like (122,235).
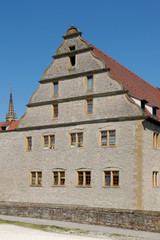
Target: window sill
(76,147)
(83,186)
(90,91)
(58,186)
(109,146)
(111,187)
(72,68)
(48,149)
(36,186)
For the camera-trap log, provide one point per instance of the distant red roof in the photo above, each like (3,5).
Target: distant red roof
(9,125)
(135,85)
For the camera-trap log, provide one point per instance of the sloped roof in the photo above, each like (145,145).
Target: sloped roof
(9,125)
(135,85)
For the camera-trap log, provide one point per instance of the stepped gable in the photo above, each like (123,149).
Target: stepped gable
(9,125)
(135,85)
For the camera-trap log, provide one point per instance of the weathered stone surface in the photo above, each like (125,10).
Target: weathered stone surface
(128,219)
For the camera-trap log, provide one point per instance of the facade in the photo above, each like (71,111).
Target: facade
(89,137)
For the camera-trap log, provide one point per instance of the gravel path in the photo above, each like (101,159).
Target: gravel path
(85,227)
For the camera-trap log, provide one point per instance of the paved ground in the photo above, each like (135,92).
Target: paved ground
(12,232)
(92,228)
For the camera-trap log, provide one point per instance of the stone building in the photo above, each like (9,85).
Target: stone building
(89,137)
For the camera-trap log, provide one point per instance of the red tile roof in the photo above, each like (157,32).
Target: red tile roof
(135,85)
(9,125)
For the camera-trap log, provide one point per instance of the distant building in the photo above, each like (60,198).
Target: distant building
(11,116)
(90,135)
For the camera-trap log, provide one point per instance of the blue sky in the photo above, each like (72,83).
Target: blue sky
(32,30)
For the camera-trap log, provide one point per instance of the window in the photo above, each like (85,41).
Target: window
(36,178)
(111,178)
(90,106)
(55,111)
(80,139)
(90,83)
(49,142)
(55,90)
(111,135)
(72,48)
(104,138)
(46,142)
(76,139)
(59,178)
(84,178)
(143,104)
(72,61)
(73,139)
(29,143)
(154,111)
(156,140)
(155,179)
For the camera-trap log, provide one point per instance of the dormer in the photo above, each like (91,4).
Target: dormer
(143,103)
(154,110)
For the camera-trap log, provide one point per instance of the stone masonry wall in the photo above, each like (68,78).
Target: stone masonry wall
(131,219)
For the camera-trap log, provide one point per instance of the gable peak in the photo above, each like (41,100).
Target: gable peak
(72,31)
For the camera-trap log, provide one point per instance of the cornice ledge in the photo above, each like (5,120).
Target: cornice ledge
(79,33)
(58,125)
(72,53)
(86,96)
(46,80)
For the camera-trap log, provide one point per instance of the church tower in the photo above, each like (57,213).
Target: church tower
(10,116)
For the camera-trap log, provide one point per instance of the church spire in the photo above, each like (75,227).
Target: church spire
(10,116)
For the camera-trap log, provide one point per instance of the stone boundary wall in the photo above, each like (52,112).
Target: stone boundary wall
(129,219)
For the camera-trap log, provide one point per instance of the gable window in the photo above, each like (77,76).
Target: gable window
(90,83)
(55,111)
(36,178)
(55,86)
(155,179)
(58,178)
(73,139)
(90,106)
(52,141)
(46,142)
(156,140)
(76,139)
(111,178)
(72,61)
(84,178)
(108,138)
(112,136)
(104,138)
(29,143)
(49,142)
(80,139)
(72,48)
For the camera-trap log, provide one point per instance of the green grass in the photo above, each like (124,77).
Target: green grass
(45,227)
(62,230)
